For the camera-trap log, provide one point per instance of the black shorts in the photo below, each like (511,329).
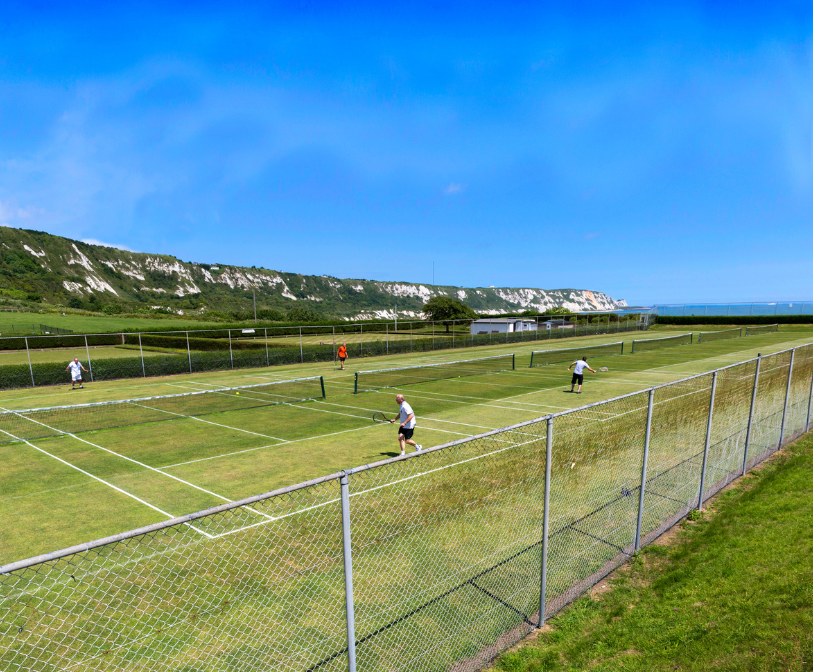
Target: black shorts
(406,432)
(577,378)
(341,359)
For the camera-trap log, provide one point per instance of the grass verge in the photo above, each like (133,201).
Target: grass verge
(731,590)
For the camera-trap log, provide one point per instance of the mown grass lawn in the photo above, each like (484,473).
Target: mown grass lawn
(731,591)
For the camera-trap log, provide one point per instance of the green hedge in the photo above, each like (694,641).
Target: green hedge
(211,355)
(735,320)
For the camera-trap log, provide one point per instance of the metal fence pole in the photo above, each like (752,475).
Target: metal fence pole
(433,334)
(751,415)
(387,331)
(334,345)
(545,523)
(141,350)
(267,360)
(809,402)
(30,368)
(787,397)
(231,356)
(361,340)
(301,352)
(188,352)
(410,336)
(348,574)
(708,440)
(90,364)
(454,324)
(643,471)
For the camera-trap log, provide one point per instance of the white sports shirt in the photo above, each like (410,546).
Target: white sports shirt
(406,411)
(76,369)
(581,365)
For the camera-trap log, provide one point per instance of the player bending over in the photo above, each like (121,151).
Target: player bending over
(578,373)
(407,426)
(76,368)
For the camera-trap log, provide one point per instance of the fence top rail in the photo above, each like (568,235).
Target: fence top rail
(155,527)
(662,338)
(97,404)
(30,562)
(581,347)
(427,366)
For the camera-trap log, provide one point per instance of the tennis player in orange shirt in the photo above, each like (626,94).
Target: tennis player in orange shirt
(342,353)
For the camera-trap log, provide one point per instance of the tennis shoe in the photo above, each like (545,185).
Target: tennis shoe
(418,447)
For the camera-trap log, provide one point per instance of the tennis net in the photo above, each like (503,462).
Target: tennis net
(645,344)
(706,336)
(373,380)
(545,357)
(39,423)
(762,329)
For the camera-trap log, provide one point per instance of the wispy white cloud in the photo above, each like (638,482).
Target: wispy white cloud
(455,188)
(93,241)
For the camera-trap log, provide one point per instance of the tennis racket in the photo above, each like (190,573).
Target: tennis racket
(378,416)
(604,369)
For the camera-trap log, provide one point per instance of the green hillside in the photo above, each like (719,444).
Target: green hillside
(39,269)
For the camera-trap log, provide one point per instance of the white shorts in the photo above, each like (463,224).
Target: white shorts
(75,378)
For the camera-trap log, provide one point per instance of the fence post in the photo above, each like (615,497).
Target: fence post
(188,352)
(231,356)
(545,523)
(643,471)
(141,350)
(751,415)
(30,368)
(454,324)
(267,361)
(90,364)
(361,340)
(410,336)
(787,397)
(433,334)
(334,345)
(348,574)
(387,330)
(809,402)
(708,440)
(301,353)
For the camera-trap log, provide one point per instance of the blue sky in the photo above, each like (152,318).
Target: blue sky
(656,154)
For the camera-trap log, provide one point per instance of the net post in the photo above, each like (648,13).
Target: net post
(301,352)
(691,338)
(531,365)
(708,441)
(543,578)
(751,416)
(513,361)
(231,357)
(141,350)
(267,361)
(188,352)
(30,368)
(643,470)
(809,403)
(633,347)
(90,364)
(356,383)
(347,552)
(322,383)
(787,397)
(622,346)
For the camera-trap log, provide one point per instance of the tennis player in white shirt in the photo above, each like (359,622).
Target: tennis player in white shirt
(407,426)
(578,373)
(76,368)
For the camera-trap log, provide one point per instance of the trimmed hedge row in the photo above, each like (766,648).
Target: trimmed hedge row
(734,319)
(209,356)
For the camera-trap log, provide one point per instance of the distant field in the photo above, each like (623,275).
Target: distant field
(146,473)
(92,324)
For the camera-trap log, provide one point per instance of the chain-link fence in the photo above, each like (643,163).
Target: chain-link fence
(42,359)
(434,561)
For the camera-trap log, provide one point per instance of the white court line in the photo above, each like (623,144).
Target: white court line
(210,422)
(100,480)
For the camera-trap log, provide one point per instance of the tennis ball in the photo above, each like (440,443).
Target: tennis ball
(237,393)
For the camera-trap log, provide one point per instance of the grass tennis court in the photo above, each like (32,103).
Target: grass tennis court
(61,490)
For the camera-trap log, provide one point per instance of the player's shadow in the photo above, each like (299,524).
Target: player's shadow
(391,454)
